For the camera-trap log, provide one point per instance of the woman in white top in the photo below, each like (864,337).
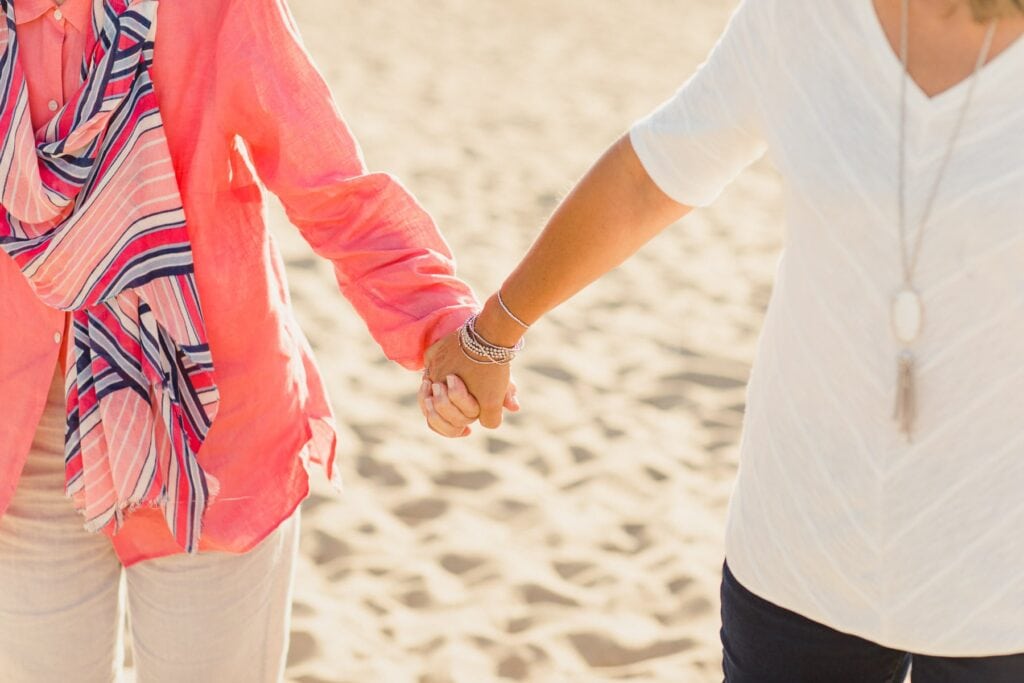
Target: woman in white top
(879,506)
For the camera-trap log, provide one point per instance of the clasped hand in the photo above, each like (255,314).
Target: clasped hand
(456,392)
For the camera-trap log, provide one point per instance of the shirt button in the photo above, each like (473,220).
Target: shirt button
(56,337)
(58,15)
(52,104)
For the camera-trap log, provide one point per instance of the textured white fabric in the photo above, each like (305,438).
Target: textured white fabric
(205,618)
(918,547)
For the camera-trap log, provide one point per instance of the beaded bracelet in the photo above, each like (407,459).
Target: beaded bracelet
(470,358)
(470,341)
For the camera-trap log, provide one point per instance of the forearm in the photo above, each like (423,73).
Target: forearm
(613,211)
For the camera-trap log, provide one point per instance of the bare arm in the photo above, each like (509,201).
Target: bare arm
(613,211)
(694,143)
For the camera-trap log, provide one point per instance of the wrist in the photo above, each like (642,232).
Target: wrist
(480,350)
(495,326)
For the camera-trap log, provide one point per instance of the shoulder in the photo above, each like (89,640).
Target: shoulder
(204,14)
(770,28)
(198,18)
(792,16)
(202,22)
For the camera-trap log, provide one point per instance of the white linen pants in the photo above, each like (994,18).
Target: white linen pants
(208,617)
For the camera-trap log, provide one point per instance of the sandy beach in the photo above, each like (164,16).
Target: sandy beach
(582,542)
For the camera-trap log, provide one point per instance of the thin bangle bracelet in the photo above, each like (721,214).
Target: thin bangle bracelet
(501,302)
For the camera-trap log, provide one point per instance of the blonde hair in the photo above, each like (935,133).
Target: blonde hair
(988,9)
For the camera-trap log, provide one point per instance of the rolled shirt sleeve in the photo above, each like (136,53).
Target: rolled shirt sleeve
(696,142)
(389,258)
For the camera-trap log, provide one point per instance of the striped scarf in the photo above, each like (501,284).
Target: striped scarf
(91,212)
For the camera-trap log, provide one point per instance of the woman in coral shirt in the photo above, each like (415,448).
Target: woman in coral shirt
(125,344)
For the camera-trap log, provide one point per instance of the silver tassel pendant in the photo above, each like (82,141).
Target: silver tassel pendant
(905,409)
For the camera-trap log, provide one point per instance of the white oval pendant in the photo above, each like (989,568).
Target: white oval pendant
(907,315)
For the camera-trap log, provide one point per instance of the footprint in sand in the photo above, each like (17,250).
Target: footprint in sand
(302,647)
(473,480)
(460,564)
(601,651)
(421,510)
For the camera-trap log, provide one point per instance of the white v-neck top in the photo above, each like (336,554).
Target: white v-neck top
(918,547)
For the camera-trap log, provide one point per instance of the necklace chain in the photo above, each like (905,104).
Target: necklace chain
(907,307)
(909,261)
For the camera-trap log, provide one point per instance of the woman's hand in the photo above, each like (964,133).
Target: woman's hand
(448,408)
(456,391)
(610,213)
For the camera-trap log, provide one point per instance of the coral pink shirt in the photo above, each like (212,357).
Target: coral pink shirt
(230,75)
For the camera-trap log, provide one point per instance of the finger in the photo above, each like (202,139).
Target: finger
(461,398)
(440,425)
(445,408)
(422,395)
(512,397)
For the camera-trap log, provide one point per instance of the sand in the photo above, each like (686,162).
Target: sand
(582,541)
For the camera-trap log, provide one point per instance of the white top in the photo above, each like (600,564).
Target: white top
(918,547)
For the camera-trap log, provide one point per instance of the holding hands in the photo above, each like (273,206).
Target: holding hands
(614,209)
(467,375)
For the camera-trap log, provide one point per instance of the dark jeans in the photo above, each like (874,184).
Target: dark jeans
(765,643)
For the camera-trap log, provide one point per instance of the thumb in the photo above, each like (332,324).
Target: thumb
(428,355)
(490,415)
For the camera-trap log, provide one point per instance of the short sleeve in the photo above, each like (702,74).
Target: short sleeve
(695,143)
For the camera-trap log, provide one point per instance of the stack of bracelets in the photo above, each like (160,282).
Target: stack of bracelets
(472,343)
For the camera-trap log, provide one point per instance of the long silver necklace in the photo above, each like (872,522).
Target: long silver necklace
(907,307)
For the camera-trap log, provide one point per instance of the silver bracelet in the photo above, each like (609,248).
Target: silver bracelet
(470,347)
(501,302)
(519,346)
(480,348)
(472,342)
(462,347)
